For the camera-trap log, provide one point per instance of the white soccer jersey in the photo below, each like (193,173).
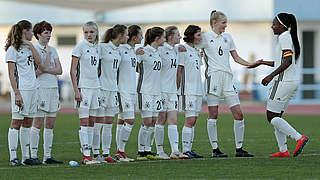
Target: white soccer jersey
(47,80)
(150,64)
(87,69)
(217,51)
(292,73)
(110,61)
(127,69)
(191,83)
(169,67)
(24,72)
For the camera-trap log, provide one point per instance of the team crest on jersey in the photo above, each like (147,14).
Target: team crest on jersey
(215,88)
(163,101)
(225,40)
(167,52)
(88,50)
(125,52)
(110,52)
(211,40)
(150,55)
(86,102)
(190,55)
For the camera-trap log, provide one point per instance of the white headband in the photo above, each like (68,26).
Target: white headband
(281,22)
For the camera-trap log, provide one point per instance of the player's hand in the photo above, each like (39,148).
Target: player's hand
(140,51)
(265,81)
(181,48)
(38,72)
(201,53)
(26,42)
(18,99)
(255,64)
(77,96)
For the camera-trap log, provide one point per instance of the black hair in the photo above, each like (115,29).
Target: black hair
(133,30)
(113,32)
(189,33)
(151,35)
(289,20)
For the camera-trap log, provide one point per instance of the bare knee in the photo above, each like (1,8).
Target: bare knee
(27,122)
(37,122)
(213,112)
(49,123)
(16,124)
(271,115)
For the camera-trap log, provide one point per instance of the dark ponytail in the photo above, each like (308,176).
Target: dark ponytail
(113,32)
(14,37)
(133,30)
(151,35)
(289,21)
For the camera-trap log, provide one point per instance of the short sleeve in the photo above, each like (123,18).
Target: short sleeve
(285,42)
(77,51)
(54,53)
(232,45)
(181,58)
(11,55)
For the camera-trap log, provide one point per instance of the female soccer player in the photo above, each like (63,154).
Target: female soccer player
(168,54)
(48,95)
(149,89)
(127,88)
(110,60)
(21,56)
(189,75)
(285,84)
(217,45)
(86,86)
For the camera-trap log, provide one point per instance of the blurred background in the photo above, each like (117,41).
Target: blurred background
(249,23)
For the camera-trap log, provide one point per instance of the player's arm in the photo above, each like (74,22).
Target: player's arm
(57,70)
(18,99)
(261,62)
(179,76)
(287,56)
(74,63)
(36,56)
(238,59)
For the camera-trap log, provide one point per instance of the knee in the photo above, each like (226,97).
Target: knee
(271,115)
(213,114)
(238,115)
(37,123)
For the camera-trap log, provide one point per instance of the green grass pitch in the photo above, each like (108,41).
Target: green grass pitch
(259,140)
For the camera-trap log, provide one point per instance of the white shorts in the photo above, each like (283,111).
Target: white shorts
(280,95)
(48,99)
(149,114)
(190,103)
(150,103)
(169,102)
(127,102)
(90,98)
(220,85)
(29,107)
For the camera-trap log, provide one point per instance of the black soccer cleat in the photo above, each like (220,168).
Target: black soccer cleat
(52,161)
(36,161)
(218,153)
(30,161)
(189,154)
(242,153)
(195,155)
(15,162)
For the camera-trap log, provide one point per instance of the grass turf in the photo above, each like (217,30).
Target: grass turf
(259,140)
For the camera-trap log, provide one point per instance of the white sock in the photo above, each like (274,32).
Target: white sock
(285,128)
(186,138)
(141,139)
(47,143)
(281,139)
(34,141)
(13,136)
(90,137)
(25,142)
(149,138)
(119,126)
(159,136)
(106,138)
(84,140)
(238,127)
(124,136)
(96,138)
(173,136)
(212,132)
(192,137)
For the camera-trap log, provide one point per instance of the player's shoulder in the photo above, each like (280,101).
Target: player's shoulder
(285,36)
